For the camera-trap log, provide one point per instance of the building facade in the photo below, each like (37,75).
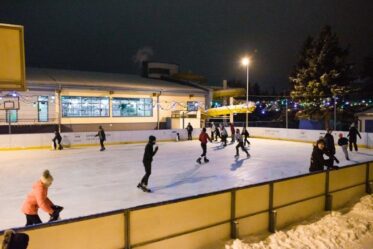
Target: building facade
(81,101)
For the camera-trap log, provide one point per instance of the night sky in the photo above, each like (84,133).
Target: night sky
(204,37)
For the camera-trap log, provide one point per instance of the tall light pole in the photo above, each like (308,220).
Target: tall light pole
(246,62)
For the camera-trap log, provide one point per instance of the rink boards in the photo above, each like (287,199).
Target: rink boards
(209,220)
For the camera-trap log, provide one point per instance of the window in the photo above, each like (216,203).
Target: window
(192,106)
(132,107)
(75,106)
(43,108)
(13,115)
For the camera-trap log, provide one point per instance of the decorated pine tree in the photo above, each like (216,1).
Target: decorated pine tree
(321,73)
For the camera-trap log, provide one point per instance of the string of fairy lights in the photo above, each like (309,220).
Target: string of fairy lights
(263,105)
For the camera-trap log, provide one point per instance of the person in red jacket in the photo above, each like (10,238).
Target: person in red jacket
(203,137)
(38,198)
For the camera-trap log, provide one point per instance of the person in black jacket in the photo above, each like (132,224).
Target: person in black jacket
(352,137)
(317,158)
(147,161)
(101,135)
(245,133)
(189,130)
(329,142)
(343,142)
(58,138)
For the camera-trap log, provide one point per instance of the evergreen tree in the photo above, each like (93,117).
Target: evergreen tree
(321,72)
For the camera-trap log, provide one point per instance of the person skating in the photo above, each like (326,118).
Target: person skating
(239,140)
(343,142)
(224,136)
(147,161)
(217,132)
(317,157)
(213,128)
(101,135)
(232,132)
(329,145)
(352,137)
(57,140)
(189,130)
(38,198)
(204,137)
(245,133)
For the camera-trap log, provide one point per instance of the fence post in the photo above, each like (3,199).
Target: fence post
(234,222)
(328,196)
(368,184)
(127,229)
(272,213)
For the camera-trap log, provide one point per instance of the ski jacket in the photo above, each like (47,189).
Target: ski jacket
(342,141)
(149,153)
(101,135)
(189,128)
(238,137)
(204,137)
(352,134)
(37,198)
(224,132)
(329,142)
(317,159)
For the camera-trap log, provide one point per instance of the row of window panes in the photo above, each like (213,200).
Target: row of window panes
(76,106)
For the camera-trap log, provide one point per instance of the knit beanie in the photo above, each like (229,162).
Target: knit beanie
(46,178)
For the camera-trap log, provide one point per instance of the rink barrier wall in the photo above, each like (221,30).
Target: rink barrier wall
(83,139)
(208,220)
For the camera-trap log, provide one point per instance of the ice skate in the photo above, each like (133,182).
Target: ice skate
(199,161)
(236,156)
(248,155)
(206,160)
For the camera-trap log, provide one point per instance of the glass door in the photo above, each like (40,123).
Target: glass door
(43,108)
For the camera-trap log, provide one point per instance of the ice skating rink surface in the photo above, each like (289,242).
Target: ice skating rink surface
(87,181)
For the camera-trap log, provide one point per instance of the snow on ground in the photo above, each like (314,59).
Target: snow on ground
(87,181)
(349,228)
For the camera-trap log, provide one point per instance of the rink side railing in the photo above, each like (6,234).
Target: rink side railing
(208,220)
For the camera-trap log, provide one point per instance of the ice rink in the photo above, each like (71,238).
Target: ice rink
(88,181)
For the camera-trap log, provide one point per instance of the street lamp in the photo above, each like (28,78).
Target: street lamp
(246,62)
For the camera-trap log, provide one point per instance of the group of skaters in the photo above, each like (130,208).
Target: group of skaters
(326,146)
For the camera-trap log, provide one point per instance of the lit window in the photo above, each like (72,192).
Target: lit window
(79,106)
(132,107)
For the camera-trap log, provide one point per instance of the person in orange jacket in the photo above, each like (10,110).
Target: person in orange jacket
(38,198)
(203,137)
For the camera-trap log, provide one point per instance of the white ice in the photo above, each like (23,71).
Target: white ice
(87,181)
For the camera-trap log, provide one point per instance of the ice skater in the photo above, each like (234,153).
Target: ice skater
(147,161)
(317,157)
(245,133)
(329,145)
(217,132)
(239,139)
(57,138)
(213,128)
(352,137)
(101,135)
(38,198)
(224,135)
(189,130)
(231,125)
(204,137)
(343,142)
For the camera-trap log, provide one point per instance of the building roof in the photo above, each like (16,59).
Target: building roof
(368,112)
(54,79)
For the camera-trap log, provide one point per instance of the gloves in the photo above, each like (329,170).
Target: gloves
(56,213)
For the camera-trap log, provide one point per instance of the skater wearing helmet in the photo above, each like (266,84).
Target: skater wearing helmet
(101,135)
(343,142)
(239,139)
(38,198)
(204,137)
(147,161)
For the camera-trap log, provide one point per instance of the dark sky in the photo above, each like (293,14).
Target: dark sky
(205,37)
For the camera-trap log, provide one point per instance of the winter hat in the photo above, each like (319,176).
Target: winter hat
(152,138)
(46,178)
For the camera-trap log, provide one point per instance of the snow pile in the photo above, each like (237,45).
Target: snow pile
(352,228)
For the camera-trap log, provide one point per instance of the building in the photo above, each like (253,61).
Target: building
(80,101)
(366,120)
(159,70)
